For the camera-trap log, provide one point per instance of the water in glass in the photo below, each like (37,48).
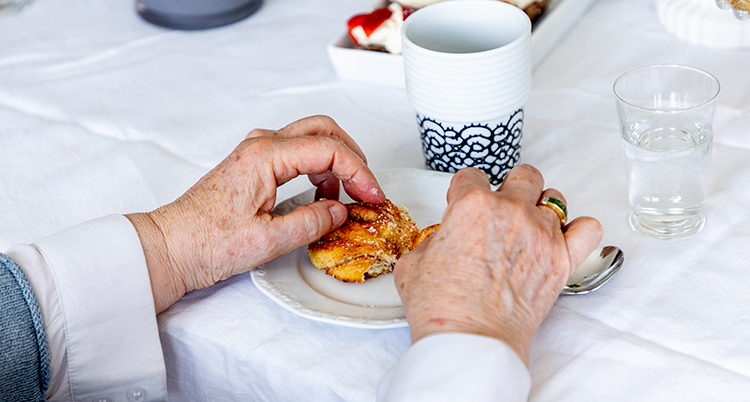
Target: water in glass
(667,170)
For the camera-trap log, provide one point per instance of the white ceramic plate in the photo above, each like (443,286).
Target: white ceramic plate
(295,284)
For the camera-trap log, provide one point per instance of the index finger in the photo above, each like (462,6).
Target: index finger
(315,155)
(321,125)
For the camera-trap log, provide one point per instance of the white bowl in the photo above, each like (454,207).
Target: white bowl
(702,22)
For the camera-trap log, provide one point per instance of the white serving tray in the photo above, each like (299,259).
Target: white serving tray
(374,67)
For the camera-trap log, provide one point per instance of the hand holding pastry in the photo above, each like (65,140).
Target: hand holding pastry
(223,226)
(497,263)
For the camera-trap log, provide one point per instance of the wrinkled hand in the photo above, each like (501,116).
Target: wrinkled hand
(497,264)
(223,226)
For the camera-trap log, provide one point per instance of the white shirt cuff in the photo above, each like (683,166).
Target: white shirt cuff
(93,286)
(457,367)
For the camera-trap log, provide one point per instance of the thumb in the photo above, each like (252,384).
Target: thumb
(582,236)
(307,223)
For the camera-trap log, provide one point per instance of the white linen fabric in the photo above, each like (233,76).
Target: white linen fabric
(101,113)
(93,287)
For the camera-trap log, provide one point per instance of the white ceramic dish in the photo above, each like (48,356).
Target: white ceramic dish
(388,69)
(293,282)
(701,22)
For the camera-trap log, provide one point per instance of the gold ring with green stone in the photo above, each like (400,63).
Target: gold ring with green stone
(556,205)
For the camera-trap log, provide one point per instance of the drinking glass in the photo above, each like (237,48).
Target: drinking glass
(666,114)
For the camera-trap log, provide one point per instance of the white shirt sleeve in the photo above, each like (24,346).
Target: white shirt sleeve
(94,290)
(457,367)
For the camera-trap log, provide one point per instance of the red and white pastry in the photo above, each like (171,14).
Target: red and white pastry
(380,29)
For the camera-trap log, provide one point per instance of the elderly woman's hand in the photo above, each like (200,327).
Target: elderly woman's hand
(497,264)
(223,226)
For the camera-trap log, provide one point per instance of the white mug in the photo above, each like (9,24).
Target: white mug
(467,66)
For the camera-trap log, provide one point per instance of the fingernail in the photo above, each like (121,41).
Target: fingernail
(378,193)
(338,214)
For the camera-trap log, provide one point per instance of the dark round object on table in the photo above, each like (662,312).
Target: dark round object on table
(195,14)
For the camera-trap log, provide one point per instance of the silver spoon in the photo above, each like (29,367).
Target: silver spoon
(595,271)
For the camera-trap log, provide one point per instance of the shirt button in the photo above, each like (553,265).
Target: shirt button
(137,395)
(102,399)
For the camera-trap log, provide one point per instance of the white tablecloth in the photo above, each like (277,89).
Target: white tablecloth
(103,113)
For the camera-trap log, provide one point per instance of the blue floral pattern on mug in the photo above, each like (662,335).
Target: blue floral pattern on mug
(493,147)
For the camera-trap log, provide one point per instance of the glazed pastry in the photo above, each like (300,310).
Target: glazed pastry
(367,244)
(425,233)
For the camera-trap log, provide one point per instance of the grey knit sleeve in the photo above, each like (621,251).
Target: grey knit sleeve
(24,354)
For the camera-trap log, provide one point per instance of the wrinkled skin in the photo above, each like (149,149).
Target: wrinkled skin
(498,262)
(494,268)
(223,226)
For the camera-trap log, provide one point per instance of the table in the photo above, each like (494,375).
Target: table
(102,113)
